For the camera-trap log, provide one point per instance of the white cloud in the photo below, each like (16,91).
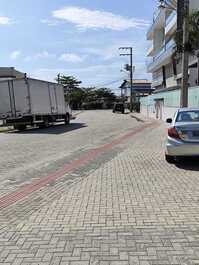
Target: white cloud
(14,55)
(112,51)
(28,58)
(71,57)
(94,75)
(49,22)
(44,54)
(40,55)
(94,19)
(5,20)
(90,75)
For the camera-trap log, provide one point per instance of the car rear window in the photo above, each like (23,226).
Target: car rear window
(188,116)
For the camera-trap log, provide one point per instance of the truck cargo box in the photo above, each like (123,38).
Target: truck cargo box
(31,100)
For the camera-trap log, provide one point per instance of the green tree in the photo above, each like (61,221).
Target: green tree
(73,93)
(192,46)
(105,93)
(77,95)
(69,82)
(98,98)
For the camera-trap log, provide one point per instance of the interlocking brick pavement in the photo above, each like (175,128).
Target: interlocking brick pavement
(134,209)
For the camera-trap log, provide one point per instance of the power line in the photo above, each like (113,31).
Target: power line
(110,83)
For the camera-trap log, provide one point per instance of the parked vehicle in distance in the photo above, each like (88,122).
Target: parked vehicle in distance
(183,135)
(28,101)
(119,107)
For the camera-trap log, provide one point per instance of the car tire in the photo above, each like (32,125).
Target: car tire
(170,159)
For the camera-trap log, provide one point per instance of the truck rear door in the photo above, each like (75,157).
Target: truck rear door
(21,97)
(53,99)
(7,102)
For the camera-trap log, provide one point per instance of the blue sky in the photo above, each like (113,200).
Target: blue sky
(74,37)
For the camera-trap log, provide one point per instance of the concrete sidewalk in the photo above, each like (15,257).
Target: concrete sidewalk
(134,209)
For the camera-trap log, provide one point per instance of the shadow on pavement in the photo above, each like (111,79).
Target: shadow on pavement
(137,119)
(189,164)
(54,129)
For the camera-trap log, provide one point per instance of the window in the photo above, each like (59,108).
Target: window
(188,116)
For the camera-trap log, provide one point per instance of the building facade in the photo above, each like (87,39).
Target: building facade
(141,88)
(7,73)
(162,62)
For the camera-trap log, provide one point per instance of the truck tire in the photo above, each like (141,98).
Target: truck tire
(67,119)
(21,127)
(45,124)
(170,159)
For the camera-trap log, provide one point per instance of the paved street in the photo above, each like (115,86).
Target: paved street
(96,193)
(36,152)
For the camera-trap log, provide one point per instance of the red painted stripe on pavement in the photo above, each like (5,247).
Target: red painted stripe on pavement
(35,185)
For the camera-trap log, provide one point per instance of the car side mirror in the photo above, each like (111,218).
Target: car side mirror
(169,120)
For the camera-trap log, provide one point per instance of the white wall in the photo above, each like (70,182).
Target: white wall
(150,112)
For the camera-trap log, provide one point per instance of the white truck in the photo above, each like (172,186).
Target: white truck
(28,101)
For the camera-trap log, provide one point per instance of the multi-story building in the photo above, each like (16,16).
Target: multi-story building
(165,68)
(141,88)
(165,64)
(10,73)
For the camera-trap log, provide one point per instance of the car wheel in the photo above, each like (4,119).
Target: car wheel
(170,159)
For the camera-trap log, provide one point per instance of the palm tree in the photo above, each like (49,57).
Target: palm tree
(192,46)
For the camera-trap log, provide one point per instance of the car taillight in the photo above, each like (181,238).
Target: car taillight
(172,132)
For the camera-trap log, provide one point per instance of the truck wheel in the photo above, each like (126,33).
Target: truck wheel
(67,119)
(170,159)
(45,124)
(20,127)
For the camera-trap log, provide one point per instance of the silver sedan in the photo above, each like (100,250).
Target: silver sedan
(183,135)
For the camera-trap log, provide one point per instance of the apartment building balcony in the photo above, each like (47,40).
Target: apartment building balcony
(172,3)
(162,57)
(151,50)
(157,82)
(158,22)
(171,24)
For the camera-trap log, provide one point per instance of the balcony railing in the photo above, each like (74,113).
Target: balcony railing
(164,51)
(170,17)
(159,53)
(156,15)
(170,44)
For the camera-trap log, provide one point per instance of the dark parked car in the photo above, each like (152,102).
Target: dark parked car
(119,107)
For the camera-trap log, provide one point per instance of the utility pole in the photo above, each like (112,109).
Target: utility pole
(130,49)
(185,55)
(58,78)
